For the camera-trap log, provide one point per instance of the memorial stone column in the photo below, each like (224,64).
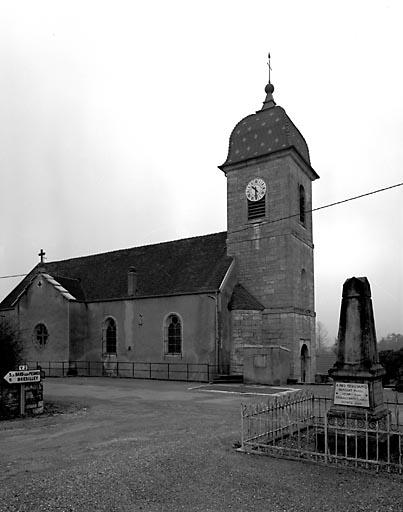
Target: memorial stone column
(357,374)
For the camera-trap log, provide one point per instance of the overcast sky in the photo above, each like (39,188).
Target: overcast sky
(114,116)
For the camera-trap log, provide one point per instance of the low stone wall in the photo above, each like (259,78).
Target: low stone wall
(266,364)
(10,397)
(246,328)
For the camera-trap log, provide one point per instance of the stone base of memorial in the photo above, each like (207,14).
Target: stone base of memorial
(357,414)
(358,395)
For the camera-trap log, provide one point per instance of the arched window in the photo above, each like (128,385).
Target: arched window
(173,335)
(110,336)
(302,206)
(41,334)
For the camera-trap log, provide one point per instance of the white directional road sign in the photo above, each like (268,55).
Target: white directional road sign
(23,377)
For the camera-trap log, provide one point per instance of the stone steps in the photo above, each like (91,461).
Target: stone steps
(221,379)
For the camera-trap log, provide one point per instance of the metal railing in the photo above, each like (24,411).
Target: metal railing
(297,426)
(196,372)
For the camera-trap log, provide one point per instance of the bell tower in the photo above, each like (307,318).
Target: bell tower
(269,226)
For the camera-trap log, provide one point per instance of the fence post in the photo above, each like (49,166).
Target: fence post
(89,369)
(208,372)
(117,368)
(325,415)
(149,364)
(187,371)
(388,440)
(133,370)
(242,427)
(168,370)
(62,368)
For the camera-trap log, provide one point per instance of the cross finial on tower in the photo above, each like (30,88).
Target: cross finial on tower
(269,101)
(41,255)
(268,63)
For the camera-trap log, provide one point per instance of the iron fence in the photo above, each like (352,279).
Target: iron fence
(202,372)
(298,427)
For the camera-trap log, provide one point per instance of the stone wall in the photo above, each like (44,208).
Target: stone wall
(44,304)
(140,329)
(246,329)
(272,255)
(268,365)
(10,399)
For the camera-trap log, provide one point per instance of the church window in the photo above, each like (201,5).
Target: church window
(41,334)
(302,207)
(173,335)
(110,336)
(256,209)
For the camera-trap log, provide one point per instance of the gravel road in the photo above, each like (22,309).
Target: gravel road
(131,445)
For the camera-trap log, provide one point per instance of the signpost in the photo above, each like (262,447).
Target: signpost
(22,377)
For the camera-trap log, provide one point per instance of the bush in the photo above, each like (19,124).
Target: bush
(392,361)
(10,348)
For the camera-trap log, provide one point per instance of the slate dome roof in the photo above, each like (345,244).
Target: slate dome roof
(267,131)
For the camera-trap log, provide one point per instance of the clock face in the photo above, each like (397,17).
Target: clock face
(255,189)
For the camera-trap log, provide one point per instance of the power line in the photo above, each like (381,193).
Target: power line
(287,217)
(320,207)
(357,197)
(15,275)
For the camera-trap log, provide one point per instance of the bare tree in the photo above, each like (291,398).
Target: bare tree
(322,337)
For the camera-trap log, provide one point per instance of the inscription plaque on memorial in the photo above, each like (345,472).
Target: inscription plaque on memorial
(351,393)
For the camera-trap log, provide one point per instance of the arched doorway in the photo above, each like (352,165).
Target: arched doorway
(304,363)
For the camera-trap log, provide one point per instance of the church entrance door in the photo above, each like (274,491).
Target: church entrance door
(304,363)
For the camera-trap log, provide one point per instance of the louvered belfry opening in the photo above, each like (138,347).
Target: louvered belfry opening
(257,209)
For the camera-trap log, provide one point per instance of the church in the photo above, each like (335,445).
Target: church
(243,298)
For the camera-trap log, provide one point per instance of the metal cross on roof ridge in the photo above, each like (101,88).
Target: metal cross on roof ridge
(41,255)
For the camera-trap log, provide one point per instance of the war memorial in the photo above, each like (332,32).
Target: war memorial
(355,427)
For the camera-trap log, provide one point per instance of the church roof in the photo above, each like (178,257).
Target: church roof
(267,131)
(242,299)
(190,265)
